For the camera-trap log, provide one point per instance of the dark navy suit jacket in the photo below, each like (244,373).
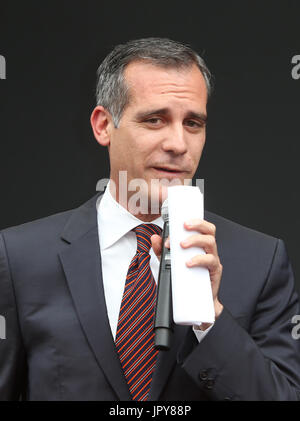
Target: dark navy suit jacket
(59,344)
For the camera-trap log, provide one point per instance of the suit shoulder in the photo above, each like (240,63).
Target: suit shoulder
(226,228)
(51,223)
(46,232)
(35,240)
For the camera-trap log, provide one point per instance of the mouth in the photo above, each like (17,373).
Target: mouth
(169,171)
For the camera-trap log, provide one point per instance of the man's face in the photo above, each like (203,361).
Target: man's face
(161,133)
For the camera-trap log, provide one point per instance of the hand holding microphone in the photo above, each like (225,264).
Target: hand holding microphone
(196,274)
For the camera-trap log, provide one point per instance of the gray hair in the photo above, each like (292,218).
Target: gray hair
(112,91)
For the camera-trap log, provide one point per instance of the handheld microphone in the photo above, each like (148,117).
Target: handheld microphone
(163,324)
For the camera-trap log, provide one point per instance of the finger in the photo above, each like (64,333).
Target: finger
(167,243)
(156,242)
(201,225)
(211,262)
(206,242)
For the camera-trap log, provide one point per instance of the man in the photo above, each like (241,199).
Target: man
(78,288)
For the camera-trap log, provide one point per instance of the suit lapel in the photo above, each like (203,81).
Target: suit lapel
(81,262)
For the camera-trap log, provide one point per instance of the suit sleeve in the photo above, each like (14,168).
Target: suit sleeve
(12,354)
(260,364)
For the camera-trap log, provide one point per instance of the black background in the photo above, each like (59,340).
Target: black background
(49,159)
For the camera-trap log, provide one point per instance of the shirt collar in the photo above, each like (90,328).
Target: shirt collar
(114,221)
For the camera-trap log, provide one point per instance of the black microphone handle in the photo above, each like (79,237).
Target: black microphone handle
(163,324)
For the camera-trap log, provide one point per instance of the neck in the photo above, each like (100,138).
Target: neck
(148,217)
(139,207)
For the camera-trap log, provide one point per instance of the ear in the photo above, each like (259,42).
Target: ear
(101,121)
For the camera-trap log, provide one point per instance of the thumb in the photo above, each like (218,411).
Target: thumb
(156,241)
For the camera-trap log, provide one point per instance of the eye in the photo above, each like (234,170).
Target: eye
(154,123)
(154,120)
(194,124)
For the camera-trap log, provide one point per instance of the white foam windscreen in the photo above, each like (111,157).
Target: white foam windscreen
(191,287)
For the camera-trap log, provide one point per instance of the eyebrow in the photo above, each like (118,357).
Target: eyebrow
(164,111)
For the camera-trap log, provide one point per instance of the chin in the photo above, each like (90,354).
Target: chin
(158,194)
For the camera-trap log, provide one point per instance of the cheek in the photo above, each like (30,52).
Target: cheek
(131,151)
(145,143)
(196,150)
(122,145)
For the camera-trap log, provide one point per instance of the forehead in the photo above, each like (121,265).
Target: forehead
(148,82)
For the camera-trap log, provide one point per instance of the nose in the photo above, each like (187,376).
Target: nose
(175,141)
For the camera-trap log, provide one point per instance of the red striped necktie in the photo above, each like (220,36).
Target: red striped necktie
(135,332)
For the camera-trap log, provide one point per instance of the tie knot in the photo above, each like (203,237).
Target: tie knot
(143,234)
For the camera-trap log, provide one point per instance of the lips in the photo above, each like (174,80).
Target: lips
(169,170)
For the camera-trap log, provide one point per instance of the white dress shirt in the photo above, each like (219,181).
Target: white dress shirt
(118,245)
